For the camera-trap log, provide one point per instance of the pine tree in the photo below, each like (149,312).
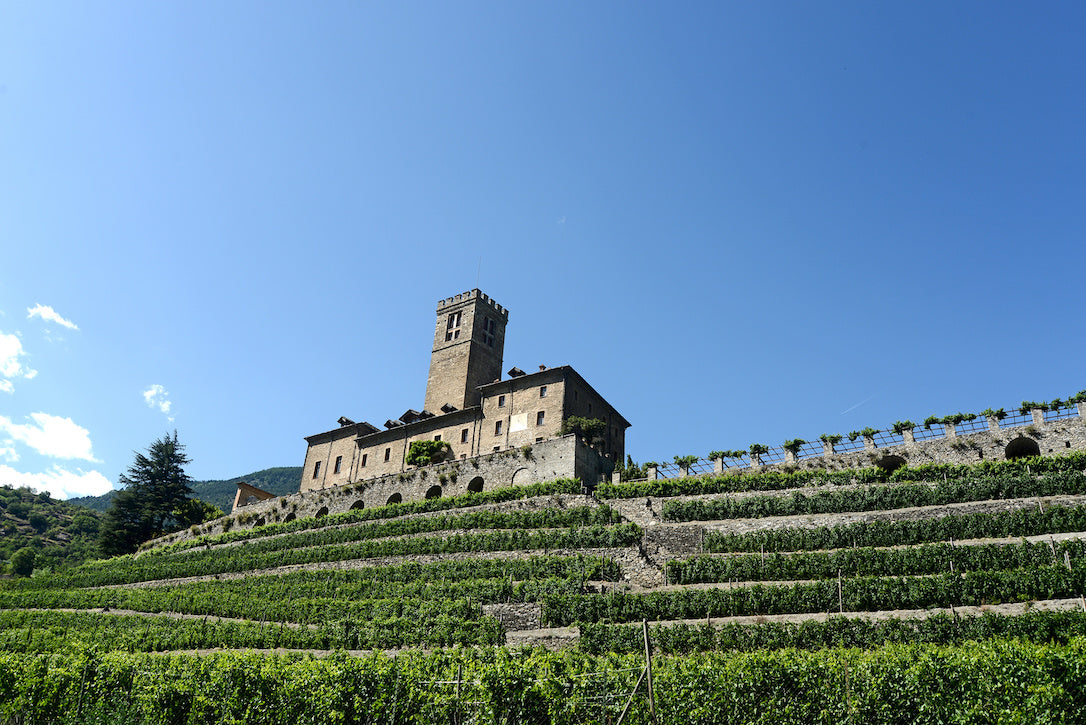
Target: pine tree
(155,486)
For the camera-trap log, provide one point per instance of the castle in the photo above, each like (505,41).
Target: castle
(505,432)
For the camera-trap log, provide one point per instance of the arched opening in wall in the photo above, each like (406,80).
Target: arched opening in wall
(890,463)
(289,517)
(521,477)
(475,485)
(1021,447)
(433,492)
(359,504)
(258,522)
(394,498)
(323,512)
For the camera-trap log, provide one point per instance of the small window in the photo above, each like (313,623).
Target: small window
(388,454)
(497,448)
(339,464)
(452,327)
(501,401)
(539,417)
(464,436)
(316,469)
(543,391)
(497,428)
(364,457)
(437,437)
(539,440)
(574,394)
(489,328)
(590,407)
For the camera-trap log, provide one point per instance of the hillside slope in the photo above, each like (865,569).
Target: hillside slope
(59,532)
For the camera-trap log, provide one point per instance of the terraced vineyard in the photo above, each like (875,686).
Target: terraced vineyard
(943,593)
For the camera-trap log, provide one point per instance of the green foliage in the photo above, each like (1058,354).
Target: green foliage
(423,453)
(853,435)
(757,449)
(61,534)
(831,438)
(156,486)
(903,425)
(998,414)
(590,430)
(794,444)
(22,561)
(684,462)
(631,471)
(194,511)
(1029,405)
(868,432)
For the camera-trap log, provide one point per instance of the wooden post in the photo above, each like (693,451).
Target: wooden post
(840,594)
(648,667)
(1067,559)
(456,707)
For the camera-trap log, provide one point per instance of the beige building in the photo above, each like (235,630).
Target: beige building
(469,406)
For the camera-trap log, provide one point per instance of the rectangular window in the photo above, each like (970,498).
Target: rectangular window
(497,428)
(543,391)
(452,327)
(339,464)
(437,437)
(501,401)
(539,417)
(489,328)
(388,454)
(497,448)
(539,440)
(590,407)
(364,457)
(316,469)
(464,436)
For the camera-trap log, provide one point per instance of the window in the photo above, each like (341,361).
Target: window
(452,327)
(539,417)
(590,407)
(437,437)
(464,436)
(489,330)
(339,464)
(497,428)
(574,394)
(388,454)
(316,469)
(497,448)
(501,401)
(539,440)
(543,391)
(364,457)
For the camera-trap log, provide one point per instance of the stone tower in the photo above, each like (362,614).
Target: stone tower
(468,344)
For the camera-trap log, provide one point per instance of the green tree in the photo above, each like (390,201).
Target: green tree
(194,511)
(590,429)
(155,487)
(22,561)
(423,453)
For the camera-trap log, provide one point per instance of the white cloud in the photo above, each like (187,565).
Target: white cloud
(157,397)
(59,482)
(51,436)
(49,314)
(11,365)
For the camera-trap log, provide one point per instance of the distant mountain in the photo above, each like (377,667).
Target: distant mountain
(279,481)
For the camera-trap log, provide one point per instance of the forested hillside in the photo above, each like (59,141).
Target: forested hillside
(57,532)
(280,481)
(934,594)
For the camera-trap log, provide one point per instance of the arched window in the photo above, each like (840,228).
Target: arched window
(323,512)
(890,463)
(476,485)
(433,492)
(359,504)
(394,498)
(1021,447)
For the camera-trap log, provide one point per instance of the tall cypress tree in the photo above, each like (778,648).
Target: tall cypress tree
(155,486)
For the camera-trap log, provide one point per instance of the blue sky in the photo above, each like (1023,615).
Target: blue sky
(741,222)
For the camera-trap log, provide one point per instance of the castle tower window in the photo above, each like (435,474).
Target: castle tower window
(452,328)
(464,436)
(364,457)
(437,437)
(539,417)
(316,469)
(501,401)
(489,328)
(339,464)
(388,454)
(543,391)
(497,429)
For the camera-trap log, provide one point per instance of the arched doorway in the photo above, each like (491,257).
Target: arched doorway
(289,517)
(322,512)
(1021,447)
(890,463)
(475,485)
(521,477)
(359,504)
(394,498)
(433,492)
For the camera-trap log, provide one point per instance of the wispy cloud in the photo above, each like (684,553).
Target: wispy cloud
(157,397)
(50,435)
(854,407)
(11,363)
(59,482)
(50,315)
